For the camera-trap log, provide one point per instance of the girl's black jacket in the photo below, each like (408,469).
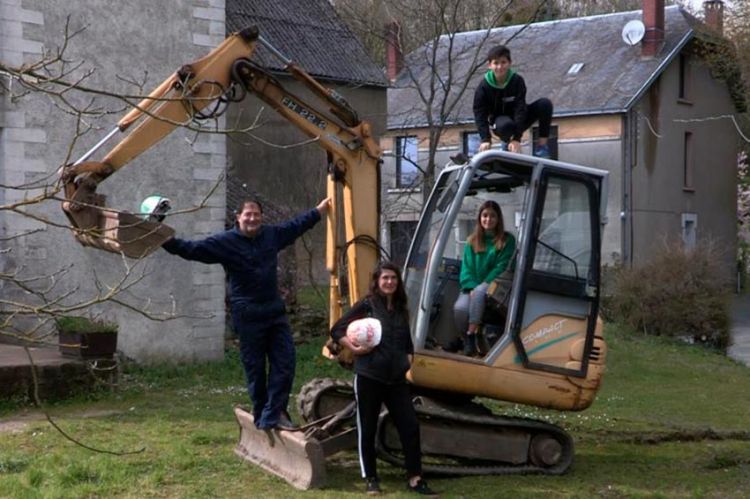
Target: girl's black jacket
(388,362)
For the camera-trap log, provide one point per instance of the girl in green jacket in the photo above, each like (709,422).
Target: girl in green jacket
(487,253)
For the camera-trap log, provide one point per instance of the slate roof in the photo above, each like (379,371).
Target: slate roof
(311,34)
(613,77)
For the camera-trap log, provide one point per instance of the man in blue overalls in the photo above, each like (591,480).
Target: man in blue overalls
(249,254)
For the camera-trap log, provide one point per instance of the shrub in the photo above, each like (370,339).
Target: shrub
(679,292)
(77,324)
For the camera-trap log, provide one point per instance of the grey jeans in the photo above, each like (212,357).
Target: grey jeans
(469,307)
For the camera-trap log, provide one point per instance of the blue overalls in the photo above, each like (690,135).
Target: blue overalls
(258,312)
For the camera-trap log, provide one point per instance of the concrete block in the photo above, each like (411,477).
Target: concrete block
(37,135)
(13,176)
(207,40)
(217,214)
(21,45)
(219,161)
(32,17)
(217,4)
(217,29)
(11,28)
(38,169)
(13,119)
(12,151)
(12,11)
(212,14)
(211,174)
(203,147)
(207,227)
(11,57)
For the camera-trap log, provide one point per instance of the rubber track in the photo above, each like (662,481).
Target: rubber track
(433,413)
(308,399)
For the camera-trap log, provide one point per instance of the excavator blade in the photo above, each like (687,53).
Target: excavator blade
(287,454)
(117,232)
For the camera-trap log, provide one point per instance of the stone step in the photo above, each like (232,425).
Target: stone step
(57,376)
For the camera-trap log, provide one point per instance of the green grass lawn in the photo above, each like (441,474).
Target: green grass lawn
(670,421)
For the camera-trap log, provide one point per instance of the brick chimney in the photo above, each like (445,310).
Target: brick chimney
(393,56)
(653,20)
(713,15)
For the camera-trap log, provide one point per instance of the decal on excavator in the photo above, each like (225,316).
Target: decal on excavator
(555,327)
(305,113)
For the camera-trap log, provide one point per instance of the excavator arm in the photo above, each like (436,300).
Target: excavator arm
(353,155)
(176,102)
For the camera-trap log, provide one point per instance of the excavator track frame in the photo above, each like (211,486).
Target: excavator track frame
(518,445)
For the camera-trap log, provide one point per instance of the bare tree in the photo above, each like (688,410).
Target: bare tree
(440,66)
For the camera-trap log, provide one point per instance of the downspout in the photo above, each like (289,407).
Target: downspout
(626,212)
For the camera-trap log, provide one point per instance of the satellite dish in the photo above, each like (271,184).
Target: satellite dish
(633,32)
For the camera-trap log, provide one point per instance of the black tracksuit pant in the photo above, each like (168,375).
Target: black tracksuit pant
(540,110)
(371,395)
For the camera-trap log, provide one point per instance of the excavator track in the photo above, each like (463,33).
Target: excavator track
(470,440)
(322,397)
(463,439)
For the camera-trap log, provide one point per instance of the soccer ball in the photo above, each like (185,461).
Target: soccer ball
(365,332)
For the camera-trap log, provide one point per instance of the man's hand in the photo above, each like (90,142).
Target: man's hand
(323,206)
(514,146)
(484,146)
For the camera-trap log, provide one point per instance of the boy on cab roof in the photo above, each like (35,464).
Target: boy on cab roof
(500,107)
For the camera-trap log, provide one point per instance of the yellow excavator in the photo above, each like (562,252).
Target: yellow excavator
(542,348)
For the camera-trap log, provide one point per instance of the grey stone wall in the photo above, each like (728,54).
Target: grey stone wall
(116,45)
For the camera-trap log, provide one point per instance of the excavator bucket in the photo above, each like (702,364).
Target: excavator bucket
(291,455)
(100,227)
(122,233)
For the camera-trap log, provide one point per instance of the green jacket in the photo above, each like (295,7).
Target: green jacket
(477,268)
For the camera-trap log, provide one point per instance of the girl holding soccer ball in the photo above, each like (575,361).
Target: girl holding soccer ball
(380,373)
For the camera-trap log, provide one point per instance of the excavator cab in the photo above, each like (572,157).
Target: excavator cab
(546,350)
(550,335)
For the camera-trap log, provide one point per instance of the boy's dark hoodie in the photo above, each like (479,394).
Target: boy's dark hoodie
(492,100)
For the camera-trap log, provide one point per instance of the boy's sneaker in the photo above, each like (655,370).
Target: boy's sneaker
(542,151)
(373,487)
(421,488)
